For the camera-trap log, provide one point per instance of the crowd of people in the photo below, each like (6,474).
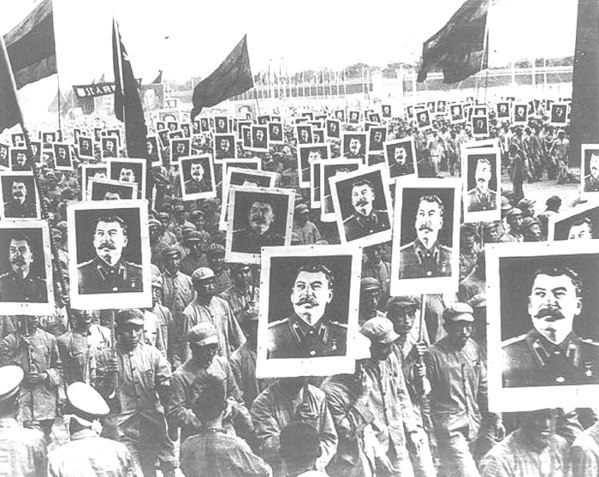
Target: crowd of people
(173,387)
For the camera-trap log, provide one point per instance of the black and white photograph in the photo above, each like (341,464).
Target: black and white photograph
(186,129)
(362,204)
(4,156)
(431,106)
(20,199)
(502,110)
(224,146)
(178,134)
(480,126)
(251,164)
(559,114)
(172,126)
(196,174)
(180,147)
(154,150)
(163,138)
(91,172)
(423,119)
(236,176)
(318,136)
(19,161)
(480,110)
(241,125)
(26,285)
(169,115)
(303,133)
(589,171)
(18,139)
(109,147)
(339,115)
(129,170)
(48,138)
(86,147)
(260,138)
(36,151)
(63,158)
(376,139)
(263,119)
(106,189)
(221,125)
(543,333)
(386,111)
(306,154)
(426,236)
(354,117)
(354,145)
(441,107)
(152,96)
(481,172)
(204,125)
(577,223)
(276,133)
(374,117)
(400,157)
(308,322)
(328,169)
(520,111)
(258,217)
(246,138)
(109,255)
(315,184)
(333,129)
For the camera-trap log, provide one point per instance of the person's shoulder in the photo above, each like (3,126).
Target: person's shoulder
(279,324)
(133,268)
(86,265)
(407,248)
(350,220)
(472,192)
(5,276)
(516,342)
(337,327)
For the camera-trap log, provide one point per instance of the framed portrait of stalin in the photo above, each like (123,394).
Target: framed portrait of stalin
(19,199)
(196,175)
(109,254)
(309,315)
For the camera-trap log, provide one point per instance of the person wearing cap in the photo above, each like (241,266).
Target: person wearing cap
(310,332)
(553,205)
(365,220)
(168,329)
(591,180)
(531,230)
(375,266)
(481,197)
(207,307)
(23,450)
(108,272)
(300,448)
(475,282)
(168,237)
(514,220)
(370,294)
(530,450)
(203,363)
(156,244)
(134,379)
(177,289)
(87,453)
(179,221)
(401,311)
(305,229)
(35,351)
(426,256)
(213,450)
(242,295)
(257,232)
(527,206)
(518,169)
(492,232)
(195,243)
(469,250)
(395,422)
(457,372)
(287,400)
(216,262)
(551,353)
(79,346)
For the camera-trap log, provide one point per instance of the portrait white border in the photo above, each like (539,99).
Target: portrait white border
(260,149)
(374,239)
(117,150)
(85,178)
(233,145)
(302,183)
(526,398)
(566,214)
(280,124)
(514,108)
(160,161)
(559,124)
(55,146)
(583,170)
(477,135)
(130,160)
(324,216)
(28,308)
(321,366)
(84,156)
(107,301)
(38,205)
(462,117)
(364,144)
(394,142)
(484,215)
(435,285)
(254,258)
(509,110)
(132,185)
(198,195)
(326,129)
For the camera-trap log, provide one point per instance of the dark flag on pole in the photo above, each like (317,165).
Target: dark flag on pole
(10,112)
(158,78)
(232,77)
(460,47)
(31,47)
(127,104)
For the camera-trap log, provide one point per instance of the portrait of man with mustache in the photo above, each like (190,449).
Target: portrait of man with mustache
(365,220)
(310,332)
(551,354)
(425,257)
(258,232)
(21,204)
(481,197)
(108,272)
(19,284)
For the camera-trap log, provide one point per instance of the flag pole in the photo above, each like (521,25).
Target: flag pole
(121,81)
(59,100)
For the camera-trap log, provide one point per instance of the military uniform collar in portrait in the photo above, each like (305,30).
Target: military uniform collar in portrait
(96,276)
(591,184)
(358,225)
(479,201)
(416,261)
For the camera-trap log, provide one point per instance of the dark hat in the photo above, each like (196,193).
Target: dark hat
(369,283)
(403,302)
(195,236)
(237,267)
(458,312)
(215,248)
(514,212)
(129,315)
(203,334)
(10,380)
(491,225)
(169,251)
(201,274)
(178,208)
(196,213)
(302,209)
(154,223)
(525,203)
(554,199)
(83,399)
(529,222)
(379,330)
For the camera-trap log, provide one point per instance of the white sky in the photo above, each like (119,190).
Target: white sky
(300,35)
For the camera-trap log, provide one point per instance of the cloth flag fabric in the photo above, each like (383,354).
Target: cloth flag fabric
(10,112)
(158,78)
(232,77)
(127,104)
(31,46)
(459,48)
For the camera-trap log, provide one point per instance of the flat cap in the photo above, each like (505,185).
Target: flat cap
(302,209)
(491,225)
(403,302)
(529,222)
(10,380)
(525,203)
(514,212)
(83,399)
(203,334)
(216,248)
(202,273)
(237,267)
(172,250)
(369,283)
(178,208)
(194,236)
(554,199)
(129,315)
(154,223)
(458,312)
(505,204)
(379,330)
